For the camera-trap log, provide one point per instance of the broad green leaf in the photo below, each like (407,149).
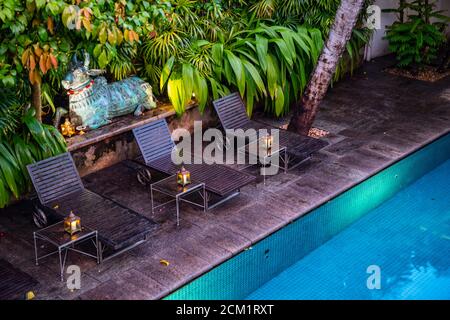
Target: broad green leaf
(239,73)
(289,40)
(59,139)
(255,76)
(249,55)
(349,49)
(49,100)
(24,157)
(8,155)
(227,71)
(201,90)
(42,32)
(103,35)
(261,50)
(279,101)
(272,75)
(176,93)
(40,3)
(283,48)
(10,175)
(302,73)
(316,37)
(103,59)
(299,39)
(4,193)
(98,50)
(214,89)
(250,95)
(167,69)
(37,131)
(188,79)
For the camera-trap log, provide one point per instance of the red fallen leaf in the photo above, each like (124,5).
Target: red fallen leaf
(164,262)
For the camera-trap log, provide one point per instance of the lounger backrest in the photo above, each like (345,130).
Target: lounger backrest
(231,111)
(55,177)
(154,140)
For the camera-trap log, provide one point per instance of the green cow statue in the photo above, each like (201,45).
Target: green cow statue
(94,103)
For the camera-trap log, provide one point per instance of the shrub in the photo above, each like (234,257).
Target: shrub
(415,40)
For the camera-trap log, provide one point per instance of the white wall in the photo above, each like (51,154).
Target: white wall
(379,47)
(445,5)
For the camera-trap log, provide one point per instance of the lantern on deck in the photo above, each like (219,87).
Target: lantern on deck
(67,128)
(267,141)
(72,224)
(183,177)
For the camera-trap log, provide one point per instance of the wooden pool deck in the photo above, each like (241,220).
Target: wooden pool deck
(374,119)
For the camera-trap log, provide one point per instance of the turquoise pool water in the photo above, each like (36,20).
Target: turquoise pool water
(408,237)
(397,220)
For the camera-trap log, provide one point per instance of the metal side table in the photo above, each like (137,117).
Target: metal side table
(56,236)
(170,187)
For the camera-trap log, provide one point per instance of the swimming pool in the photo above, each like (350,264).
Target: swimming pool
(397,221)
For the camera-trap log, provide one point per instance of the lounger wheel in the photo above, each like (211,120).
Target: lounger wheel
(39,217)
(144,177)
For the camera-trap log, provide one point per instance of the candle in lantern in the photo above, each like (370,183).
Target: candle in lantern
(72,224)
(183,177)
(267,141)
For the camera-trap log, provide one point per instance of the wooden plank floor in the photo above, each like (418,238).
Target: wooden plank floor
(14,283)
(373,118)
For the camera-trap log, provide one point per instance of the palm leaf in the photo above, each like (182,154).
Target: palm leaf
(167,69)
(236,65)
(262,45)
(256,78)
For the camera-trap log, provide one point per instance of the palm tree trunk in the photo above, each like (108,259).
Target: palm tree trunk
(341,31)
(36,100)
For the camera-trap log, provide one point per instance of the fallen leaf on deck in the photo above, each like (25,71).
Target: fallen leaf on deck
(164,262)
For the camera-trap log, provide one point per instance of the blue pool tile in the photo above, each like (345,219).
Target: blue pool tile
(407,237)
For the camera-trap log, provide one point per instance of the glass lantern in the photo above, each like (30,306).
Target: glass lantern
(72,224)
(183,177)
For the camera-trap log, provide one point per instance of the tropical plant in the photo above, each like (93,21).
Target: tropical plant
(414,39)
(38,38)
(9,112)
(126,37)
(316,14)
(28,142)
(414,42)
(270,62)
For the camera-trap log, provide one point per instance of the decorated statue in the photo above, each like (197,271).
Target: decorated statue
(93,102)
